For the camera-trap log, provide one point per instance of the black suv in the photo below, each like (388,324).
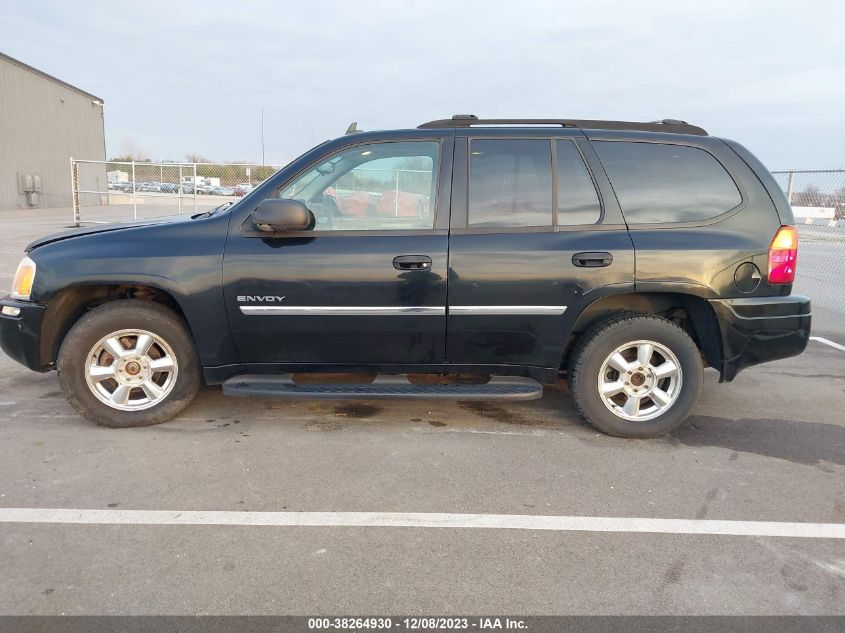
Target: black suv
(495,254)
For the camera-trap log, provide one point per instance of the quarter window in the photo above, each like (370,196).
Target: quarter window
(371,187)
(510,183)
(577,200)
(657,183)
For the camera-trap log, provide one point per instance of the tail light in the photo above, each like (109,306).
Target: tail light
(783,252)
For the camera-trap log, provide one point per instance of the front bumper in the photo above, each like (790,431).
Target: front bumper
(20,335)
(760,329)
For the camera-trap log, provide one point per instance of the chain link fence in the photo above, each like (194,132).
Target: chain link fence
(110,191)
(818,202)
(816,196)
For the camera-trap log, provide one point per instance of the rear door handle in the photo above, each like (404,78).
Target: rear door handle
(412,262)
(592,260)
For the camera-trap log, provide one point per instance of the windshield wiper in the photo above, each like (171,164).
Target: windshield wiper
(208,214)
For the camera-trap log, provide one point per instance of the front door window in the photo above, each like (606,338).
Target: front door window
(371,187)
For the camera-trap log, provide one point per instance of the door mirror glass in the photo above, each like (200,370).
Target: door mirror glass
(281,214)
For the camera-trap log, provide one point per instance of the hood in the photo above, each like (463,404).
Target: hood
(102,228)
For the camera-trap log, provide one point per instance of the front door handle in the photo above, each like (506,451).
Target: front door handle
(592,260)
(412,262)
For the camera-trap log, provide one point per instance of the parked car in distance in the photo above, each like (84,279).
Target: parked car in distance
(624,256)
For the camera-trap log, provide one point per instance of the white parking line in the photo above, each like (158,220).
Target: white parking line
(423,520)
(819,339)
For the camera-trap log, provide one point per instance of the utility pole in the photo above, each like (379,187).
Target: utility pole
(262,136)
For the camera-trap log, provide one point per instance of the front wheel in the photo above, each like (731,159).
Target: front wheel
(129,363)
(635,376)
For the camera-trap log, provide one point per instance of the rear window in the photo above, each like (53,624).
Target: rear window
(510,183)
(657,183)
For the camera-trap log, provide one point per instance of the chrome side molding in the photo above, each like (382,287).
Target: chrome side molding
(277,310)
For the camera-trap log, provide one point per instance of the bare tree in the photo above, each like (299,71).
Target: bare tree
(809,197)
(130,150)
(196,158)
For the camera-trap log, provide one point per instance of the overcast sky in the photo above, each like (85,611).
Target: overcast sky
(191,77)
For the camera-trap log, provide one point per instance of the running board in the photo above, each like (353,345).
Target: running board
(383,387)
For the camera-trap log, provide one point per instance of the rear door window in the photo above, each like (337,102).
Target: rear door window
(664,183)
(577,200)
(510,183)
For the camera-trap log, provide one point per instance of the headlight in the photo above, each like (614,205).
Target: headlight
(24,278)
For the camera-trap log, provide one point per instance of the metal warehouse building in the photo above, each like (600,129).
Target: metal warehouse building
(43,122)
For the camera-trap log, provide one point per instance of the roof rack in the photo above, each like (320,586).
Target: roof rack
(673,126)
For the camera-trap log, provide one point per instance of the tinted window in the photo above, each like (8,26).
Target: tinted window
(667,183)
(577,200)
(372,187)
(510,183)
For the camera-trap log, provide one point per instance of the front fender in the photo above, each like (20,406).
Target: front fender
(182,259)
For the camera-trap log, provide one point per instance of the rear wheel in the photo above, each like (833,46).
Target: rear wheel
(635,376)
(129,363)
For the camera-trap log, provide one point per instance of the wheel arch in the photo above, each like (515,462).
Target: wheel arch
(68,305)
(691,312)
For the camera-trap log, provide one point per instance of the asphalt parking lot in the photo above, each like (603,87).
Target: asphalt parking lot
(769,447)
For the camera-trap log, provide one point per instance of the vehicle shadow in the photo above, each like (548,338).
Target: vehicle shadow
(810,443)
(555,411)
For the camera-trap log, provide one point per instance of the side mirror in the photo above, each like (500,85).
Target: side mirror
(275,214)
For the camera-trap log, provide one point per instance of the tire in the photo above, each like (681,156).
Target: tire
(157,385)
(650,402)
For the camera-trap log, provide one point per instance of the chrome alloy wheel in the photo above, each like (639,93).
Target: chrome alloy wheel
(640,380)
(131,370)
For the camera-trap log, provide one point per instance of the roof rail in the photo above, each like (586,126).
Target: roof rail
(673,126)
